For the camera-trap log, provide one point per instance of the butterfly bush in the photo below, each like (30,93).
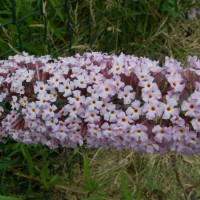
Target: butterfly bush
(101,100)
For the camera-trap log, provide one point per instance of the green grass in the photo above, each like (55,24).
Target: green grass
(97,174)
(153,29)
(147,28)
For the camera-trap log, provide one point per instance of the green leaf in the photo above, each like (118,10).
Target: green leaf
(183,112)
(44,173)
(28,158)
(9,198)
(124,186)
(54,3)
(87,180)
(7,106)
(76,150)
(6,163)
(5,12)
(90,184)
(54,178)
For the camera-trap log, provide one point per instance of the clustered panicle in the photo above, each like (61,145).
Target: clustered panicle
(101,100)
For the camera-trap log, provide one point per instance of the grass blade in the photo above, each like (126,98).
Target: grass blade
(9,198)
(124,186)
(28,158)
(88,183)
(44,174)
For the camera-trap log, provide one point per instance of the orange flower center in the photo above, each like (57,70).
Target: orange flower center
(153,108)
(135,110)
(117,68)
(181,131)
(162,132)
(191,106)
(123,120)
(106,89)
(168,108)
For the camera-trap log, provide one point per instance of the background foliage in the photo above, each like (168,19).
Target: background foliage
(153,29)
(64,27)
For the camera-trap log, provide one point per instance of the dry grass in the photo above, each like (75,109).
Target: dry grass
(184,38)
(157,177)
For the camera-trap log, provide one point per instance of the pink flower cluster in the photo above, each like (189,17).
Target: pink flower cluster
(101,100)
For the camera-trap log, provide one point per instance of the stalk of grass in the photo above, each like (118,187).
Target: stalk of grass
(28,158)
(9,198)
(90,184)
(124,186)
